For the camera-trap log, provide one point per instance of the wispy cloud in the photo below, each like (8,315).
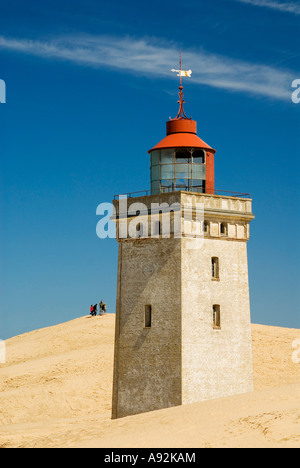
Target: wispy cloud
(156,58)
(288,7)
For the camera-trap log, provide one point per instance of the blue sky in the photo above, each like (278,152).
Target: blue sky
(89,90)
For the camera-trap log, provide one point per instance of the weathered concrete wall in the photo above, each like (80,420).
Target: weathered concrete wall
(148,361)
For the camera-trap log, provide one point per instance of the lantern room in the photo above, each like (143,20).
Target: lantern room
(182,161)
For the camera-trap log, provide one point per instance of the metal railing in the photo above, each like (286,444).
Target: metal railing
(231,194)
(182,189)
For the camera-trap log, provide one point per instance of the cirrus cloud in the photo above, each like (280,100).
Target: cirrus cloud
(155,58)
(287,7)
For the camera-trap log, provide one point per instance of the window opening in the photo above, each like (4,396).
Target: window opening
(198,157)
(183,155)
(216,317)
(148,316)
(215,267)
(223,229)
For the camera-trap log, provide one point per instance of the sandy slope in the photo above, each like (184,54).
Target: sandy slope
(56,392)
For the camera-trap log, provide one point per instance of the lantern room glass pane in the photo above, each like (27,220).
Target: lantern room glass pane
(198,171)
(167,171)
(188,184)
(155,187)
(183,155)
(167,156)
(183,170)
(155,157)
(198,156)
(181,184)
(167,186)
(155,173)
(198,186)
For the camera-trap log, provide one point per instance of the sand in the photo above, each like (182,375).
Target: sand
(56,387)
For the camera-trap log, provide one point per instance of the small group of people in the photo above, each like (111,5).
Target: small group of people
(102,309)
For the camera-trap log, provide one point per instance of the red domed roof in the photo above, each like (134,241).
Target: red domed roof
(182,133)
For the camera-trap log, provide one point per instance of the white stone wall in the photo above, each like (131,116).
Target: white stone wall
(215,363)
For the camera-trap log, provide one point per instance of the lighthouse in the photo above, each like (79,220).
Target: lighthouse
(183,328)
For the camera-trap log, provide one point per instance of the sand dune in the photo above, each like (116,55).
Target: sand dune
(56,392)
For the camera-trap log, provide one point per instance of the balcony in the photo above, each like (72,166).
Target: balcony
(222,193)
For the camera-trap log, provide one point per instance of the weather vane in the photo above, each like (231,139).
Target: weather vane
(181,73)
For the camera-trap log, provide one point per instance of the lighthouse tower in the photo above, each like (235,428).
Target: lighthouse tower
(182,315)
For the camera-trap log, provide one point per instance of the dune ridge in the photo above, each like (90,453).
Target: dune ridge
(56,390)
